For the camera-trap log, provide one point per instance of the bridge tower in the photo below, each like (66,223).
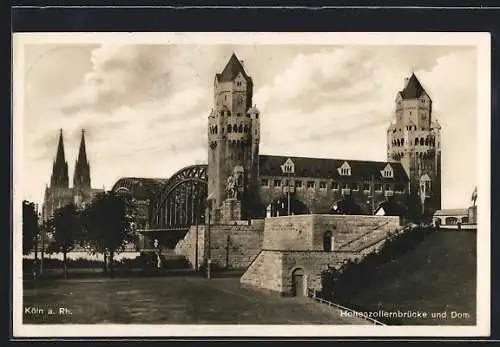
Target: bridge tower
(233,137)
(414,140)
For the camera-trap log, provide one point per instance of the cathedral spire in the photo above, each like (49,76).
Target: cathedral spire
(81,178)
(59,176)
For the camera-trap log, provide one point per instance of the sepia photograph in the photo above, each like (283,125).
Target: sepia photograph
(251,184)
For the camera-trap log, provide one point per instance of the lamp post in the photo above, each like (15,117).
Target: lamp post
(209,260)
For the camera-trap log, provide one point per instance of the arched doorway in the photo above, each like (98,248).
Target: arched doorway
(345,206)
(298,282)
(327,241)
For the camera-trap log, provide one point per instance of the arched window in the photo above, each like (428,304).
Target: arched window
(402,142)
(216,129)
(240,130)
(327,241)
(235,128)
(416,141)
(421,141)
(426,141)
(246,128)
(229,128)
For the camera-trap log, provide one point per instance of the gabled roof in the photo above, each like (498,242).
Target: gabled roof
(413,89)
(270,165)
(232,69)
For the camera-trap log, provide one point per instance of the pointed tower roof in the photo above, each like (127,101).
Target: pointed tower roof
(232,69)
(59,177)
(81,176)
(82,154)
(60,157)
(413,89)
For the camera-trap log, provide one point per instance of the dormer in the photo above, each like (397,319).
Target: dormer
(344,169)
(288,167)
(387,172)
(240,81)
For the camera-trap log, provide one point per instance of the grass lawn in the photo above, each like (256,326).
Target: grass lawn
(175,299)
(437,276)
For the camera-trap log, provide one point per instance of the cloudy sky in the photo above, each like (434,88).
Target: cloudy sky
(145,107)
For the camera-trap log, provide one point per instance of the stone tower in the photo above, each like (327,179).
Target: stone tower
(414,140)
(233,138)
(81,175)
(59,177)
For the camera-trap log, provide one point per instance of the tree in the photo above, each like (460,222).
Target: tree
(30,227)
(65,226)
(108,224)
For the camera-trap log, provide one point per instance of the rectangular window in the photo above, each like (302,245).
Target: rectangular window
(388,187)
(354,186)
(298,183)
(264,182)
(366,186)
(310,184)
(322,185)
(335,185)
(277,183)
(345,186)
(378,187)
(238,84)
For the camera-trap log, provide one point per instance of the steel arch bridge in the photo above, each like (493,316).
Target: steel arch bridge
(181,201)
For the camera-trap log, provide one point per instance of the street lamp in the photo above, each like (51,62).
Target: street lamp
(209,260)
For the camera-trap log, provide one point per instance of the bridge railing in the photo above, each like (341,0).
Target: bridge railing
(312,294)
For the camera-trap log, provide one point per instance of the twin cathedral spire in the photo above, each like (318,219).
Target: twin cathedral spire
(81,176)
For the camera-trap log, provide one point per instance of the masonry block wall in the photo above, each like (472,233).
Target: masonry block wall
(187,246)
(305,232)
(266,272)
(232,246)
(294,242)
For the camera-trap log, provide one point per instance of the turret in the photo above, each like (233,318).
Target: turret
(233,132)
(414,141)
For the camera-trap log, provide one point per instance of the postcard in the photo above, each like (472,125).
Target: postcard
(251,184)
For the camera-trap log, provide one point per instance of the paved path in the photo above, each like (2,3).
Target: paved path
(170,300)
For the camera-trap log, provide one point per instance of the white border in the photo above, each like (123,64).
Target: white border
(479,40)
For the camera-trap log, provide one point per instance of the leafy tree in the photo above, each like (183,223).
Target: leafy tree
(108,224)
(65,226)
(30,226)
